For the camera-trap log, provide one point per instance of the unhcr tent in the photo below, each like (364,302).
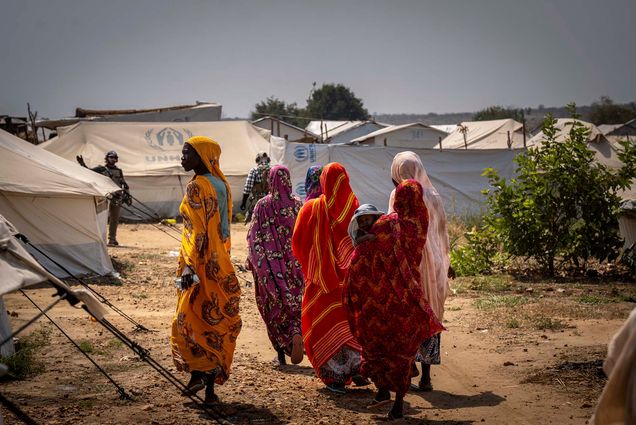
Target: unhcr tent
(605,152)
(413,135)
(150,155)
(59,205)
(456,174)
(496,134)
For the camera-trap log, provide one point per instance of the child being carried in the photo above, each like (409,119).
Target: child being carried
(362,222)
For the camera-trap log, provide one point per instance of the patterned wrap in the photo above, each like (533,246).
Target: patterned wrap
(323,247)
(207,321)
(387,311)
(278,278)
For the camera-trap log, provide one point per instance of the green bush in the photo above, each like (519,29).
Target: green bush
(562,204)
(481,253)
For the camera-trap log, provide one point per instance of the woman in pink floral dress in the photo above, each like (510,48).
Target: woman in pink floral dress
(278,278)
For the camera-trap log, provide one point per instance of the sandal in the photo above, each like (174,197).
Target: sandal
(375,404)
(196,384)
(393,416)
(421,387)
(336,388)
(360,381)
(211,399)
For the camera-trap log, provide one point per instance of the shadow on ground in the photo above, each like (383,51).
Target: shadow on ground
(242,414)
(445,400)
(295,370)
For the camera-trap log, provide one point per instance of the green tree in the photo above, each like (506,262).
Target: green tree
(605,111)
(562,206)
(335,102)
(498,113)
(272,106)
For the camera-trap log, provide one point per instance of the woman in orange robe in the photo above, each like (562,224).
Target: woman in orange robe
(322,245)
(207,322)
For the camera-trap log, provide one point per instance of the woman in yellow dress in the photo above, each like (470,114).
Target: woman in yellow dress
(207,322)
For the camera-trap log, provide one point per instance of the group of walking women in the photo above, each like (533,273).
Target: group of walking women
(361,308)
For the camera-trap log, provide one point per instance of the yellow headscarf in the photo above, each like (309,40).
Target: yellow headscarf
(210,151)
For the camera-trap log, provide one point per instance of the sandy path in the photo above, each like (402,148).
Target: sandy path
(471,386)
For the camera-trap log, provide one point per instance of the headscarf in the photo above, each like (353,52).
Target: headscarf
(312,182)
(280,192)
(436,258)
(210,152)
(321,240)
(407,165)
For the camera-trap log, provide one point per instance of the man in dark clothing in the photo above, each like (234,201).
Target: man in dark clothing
(116,199)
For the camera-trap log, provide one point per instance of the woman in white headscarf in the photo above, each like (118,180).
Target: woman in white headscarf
(435,266)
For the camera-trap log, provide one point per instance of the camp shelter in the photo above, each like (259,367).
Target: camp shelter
(59,205)
(413,135)
(605,152)
(340,132)
(201,111)
(457,174)
(289,132)
(615,132)
(495,134)
(150,156)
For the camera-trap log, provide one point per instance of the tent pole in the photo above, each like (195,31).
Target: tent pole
(34,319)
(122,392)
(16,411)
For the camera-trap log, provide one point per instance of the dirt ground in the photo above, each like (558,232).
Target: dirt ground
(514,353)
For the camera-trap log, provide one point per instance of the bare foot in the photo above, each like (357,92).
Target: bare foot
(297,349)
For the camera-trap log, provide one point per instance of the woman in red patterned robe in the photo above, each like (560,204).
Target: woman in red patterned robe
(388,314)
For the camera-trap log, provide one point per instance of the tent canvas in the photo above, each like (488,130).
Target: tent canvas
(202,111)
(456,174)
(605,151)
(59,205)
(412,135)
(150,155)
(495,134)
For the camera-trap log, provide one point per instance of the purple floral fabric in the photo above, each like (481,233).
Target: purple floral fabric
(278,278)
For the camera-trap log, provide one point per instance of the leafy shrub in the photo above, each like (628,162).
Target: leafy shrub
(481,253)
(562,204)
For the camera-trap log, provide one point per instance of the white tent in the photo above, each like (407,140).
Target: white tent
(280,128)
(456,173)
(413,135)
(495,134)
(605,151)
(150,155)
(57,204)
(339,132)
(201,111)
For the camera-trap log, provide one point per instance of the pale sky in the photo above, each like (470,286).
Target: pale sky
(397,55)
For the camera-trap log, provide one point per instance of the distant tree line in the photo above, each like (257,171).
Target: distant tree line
(602,111)
(338,102)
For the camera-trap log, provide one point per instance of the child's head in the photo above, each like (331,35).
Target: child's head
(363,219)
